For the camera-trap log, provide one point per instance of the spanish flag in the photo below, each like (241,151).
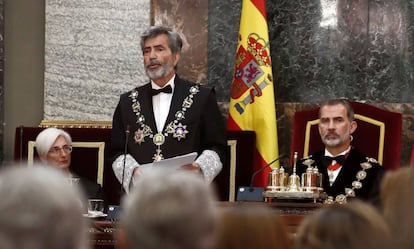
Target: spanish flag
(252,102)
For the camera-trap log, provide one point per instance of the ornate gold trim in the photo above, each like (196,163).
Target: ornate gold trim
(75,124)
(232,180)
(99,145)
(369,120)
(307,136)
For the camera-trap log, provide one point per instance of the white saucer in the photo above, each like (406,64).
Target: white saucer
(95,215)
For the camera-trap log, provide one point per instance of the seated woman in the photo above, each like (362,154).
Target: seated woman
(54,147)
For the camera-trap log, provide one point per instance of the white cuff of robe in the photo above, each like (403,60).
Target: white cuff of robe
(209,162)
(118,167)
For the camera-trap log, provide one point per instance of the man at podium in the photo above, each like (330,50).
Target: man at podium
(167,117)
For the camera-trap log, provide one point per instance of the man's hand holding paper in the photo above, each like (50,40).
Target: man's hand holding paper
(185,162)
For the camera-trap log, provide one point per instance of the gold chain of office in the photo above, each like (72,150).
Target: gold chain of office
(175,127)
(357,184)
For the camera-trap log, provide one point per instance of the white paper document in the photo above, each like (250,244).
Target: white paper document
(172,163)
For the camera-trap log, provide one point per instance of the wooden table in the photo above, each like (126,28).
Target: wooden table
(292,213)
(102,232)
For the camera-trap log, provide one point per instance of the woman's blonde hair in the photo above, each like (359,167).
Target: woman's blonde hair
(397,197)
(355,225)
(257,227)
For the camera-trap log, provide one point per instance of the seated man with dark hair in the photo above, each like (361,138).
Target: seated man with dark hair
(346,172)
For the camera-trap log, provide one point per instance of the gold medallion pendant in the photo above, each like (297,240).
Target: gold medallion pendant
(158,140)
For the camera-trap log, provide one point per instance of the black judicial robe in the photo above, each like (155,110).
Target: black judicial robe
(352,165)
(203,121)
(92,190)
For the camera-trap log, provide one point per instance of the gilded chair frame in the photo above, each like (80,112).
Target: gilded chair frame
(232,177)
(75,124)
(366,119)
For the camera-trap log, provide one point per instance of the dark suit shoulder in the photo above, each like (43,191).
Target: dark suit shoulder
(91,189)
(188,84)
(358,156)
(138,88)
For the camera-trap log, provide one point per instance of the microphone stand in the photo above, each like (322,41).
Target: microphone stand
(262,168)
(21,144)
(122,191)
(254,193)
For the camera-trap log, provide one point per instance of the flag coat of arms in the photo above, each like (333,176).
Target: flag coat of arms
(252,101)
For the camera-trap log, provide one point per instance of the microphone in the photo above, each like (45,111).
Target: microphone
(21,144)
(263,168)
(255,193)
(125,153)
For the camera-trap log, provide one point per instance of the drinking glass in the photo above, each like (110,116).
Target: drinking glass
(95,207)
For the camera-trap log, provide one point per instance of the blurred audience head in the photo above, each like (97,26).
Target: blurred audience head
(355,225)
(397,197)
(54,147)
(255,227)
(167,210)
(39,211)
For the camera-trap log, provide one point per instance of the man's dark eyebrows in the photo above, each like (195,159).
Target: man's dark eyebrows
(159,46)
(334,118)
(156,46)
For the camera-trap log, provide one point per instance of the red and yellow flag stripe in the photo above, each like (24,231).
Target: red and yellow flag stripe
(252,102)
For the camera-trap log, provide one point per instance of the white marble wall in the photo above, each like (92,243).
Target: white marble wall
(92,55)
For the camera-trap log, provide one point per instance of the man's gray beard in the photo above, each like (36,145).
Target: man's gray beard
(158,73)
(333,142)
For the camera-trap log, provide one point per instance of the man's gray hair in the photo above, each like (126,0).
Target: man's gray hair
(47,137)
(170,210)
(39,210)
(174,39)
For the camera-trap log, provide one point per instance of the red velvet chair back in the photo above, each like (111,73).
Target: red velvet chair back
(378,134)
